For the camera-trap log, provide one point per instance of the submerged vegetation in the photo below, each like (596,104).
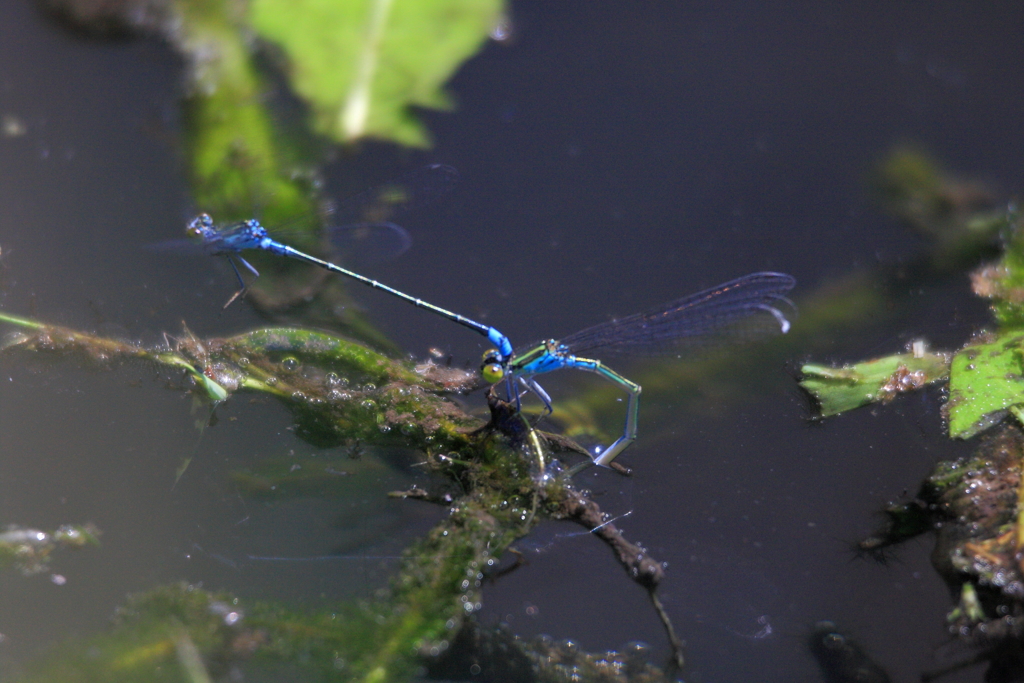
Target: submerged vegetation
(497,479)
(974,504)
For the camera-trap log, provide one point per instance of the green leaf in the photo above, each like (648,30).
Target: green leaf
(880,380)
(985,382)
(360,64)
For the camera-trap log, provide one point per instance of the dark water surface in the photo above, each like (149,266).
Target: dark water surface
(613,156)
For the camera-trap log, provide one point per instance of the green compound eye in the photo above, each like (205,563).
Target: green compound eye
(492,372)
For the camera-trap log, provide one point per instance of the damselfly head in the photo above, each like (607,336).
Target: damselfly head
(199,226)
(492,369)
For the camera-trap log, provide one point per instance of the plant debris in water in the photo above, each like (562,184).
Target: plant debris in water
(503,472)
(29,550)
(840,658)
(975,504)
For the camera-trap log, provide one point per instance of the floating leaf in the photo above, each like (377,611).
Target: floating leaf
(880,380)
(985,382)
(362,63)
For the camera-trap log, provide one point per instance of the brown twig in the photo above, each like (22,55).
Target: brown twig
(640,566)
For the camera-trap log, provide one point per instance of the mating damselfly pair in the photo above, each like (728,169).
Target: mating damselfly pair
(754,302)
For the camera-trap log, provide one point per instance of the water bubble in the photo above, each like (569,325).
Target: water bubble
(290,364)
(637,648)
(223,610)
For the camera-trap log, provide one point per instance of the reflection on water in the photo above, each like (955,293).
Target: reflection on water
(610,160)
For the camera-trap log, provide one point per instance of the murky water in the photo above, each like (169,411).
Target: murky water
(612,157)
